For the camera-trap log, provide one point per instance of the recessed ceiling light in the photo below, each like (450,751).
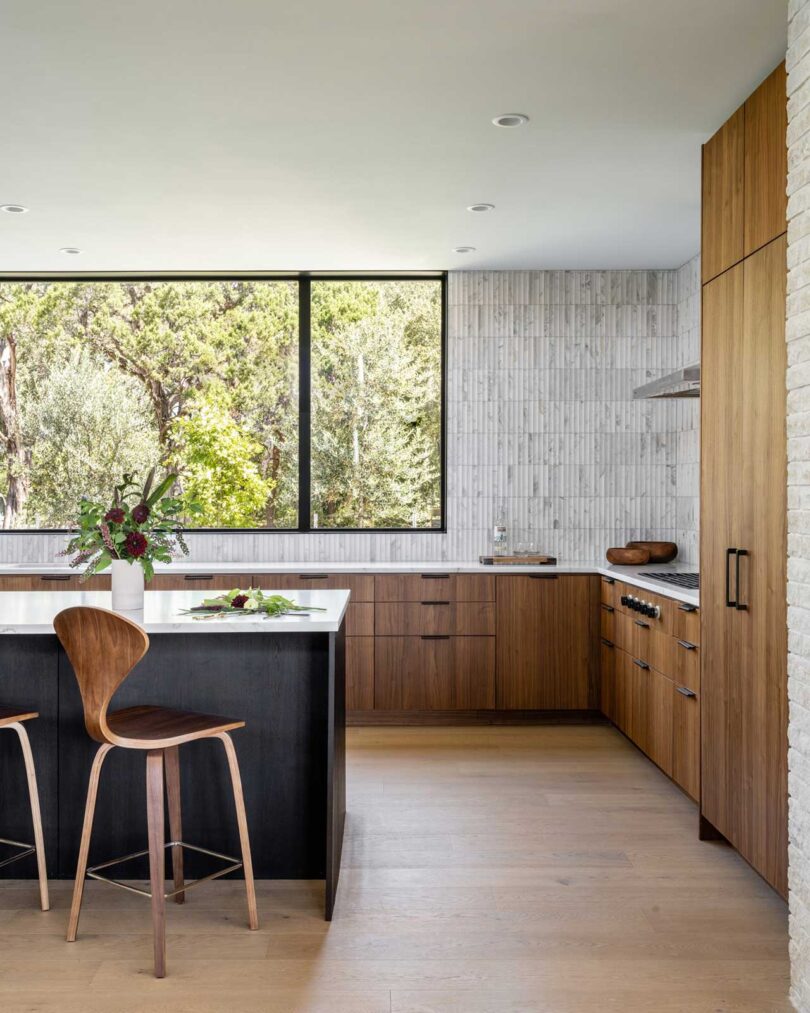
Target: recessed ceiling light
(13,209)
(463,249)
(481,208)
(71,250)
(510,120)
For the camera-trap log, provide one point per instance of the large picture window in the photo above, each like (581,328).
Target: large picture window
(283,404)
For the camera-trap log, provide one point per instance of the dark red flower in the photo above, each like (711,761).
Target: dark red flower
(239,600)
(116,515)
(135,544)
(140,513)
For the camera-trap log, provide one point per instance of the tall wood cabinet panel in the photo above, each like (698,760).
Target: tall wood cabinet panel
(743,561)
(547,630)
(765,186)
(722,229)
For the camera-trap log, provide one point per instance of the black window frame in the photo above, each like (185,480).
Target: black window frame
(304,281)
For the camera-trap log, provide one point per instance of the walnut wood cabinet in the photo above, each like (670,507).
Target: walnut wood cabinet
(547,638)
(743,637)
(744,202)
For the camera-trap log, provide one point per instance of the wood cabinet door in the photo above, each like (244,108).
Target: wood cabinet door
(720,510)
(722,210)
(766,161)
(686,740)
(359,673)
(607,674)
(198,581)
(659,720)
(547,636)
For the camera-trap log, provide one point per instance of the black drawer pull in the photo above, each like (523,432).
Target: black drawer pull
(641,664)
(608,608)
(434,603)
(609,580)
(435,636)
(313,576)
(687,608)
(607,643)
(686,692)
(56,576)
(687,645)
(542,576)
(642,624)
(198,576)
(435,576)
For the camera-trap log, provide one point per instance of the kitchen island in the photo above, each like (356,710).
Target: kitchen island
(284,676)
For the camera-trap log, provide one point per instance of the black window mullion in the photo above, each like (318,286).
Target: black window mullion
(304,404)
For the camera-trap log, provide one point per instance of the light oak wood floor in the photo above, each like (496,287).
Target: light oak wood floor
(492,870)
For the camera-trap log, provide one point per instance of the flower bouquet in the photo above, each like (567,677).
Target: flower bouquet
(249,602)
(142,526)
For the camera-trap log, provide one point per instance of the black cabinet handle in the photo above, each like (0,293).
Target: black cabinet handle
(687,645)
(56,576)
(609,580)
(541,576)
(730,602)
(641,664)
(435,576)
(687,608)
(608,608)
(434,603)
(738,605)
(607,643)
(686,692)
(312,576)
(435,636)
(198,576)
(642,624)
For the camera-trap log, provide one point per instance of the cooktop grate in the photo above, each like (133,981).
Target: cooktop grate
(691,581)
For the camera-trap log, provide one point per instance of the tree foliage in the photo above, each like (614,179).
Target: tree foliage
(97,378)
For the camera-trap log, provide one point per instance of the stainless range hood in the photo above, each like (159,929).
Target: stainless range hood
(684,382)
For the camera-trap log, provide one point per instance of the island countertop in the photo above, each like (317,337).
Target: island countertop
(33,612)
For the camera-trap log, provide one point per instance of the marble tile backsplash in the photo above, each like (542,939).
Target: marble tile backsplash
(541,420)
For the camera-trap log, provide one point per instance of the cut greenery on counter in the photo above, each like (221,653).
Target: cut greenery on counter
(249,602)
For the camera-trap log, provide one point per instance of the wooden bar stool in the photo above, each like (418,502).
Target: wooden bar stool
(12,718)
(103,648)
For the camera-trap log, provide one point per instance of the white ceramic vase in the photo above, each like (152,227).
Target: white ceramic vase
(127,586)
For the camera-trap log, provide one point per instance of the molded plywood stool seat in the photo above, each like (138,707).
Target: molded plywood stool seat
(12,718)
(103,648)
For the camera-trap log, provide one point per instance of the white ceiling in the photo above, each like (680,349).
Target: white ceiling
(352,134)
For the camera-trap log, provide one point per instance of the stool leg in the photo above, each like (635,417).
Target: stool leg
(36,816)
(171,757)
(157,840)
(241,819)
(84,847)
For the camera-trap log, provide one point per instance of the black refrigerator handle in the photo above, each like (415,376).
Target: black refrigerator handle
(740,606)
(730,602)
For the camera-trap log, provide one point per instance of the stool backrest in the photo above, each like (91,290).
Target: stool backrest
(103,648)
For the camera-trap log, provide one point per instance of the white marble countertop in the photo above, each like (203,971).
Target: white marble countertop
(29,612)
(638,576)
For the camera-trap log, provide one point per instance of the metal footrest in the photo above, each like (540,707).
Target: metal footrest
(27,849)
(93,872)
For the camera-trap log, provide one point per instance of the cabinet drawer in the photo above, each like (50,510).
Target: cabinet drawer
(686,622)
(359,673)
(361,585)
(435,617)
(607,622)
(686,664)
(360,619)
(686,740)
(649,644)
(434,673)
(198,581)
(607,687)
(54,582)
(665,619)
(438,585)
(609,590)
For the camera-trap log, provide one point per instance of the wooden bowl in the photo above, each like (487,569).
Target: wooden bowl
(660,552)
(628,557)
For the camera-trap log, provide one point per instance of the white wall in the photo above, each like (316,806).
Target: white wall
(798,422)
(541,368)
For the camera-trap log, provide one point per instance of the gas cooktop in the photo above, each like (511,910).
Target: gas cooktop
(690,581)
